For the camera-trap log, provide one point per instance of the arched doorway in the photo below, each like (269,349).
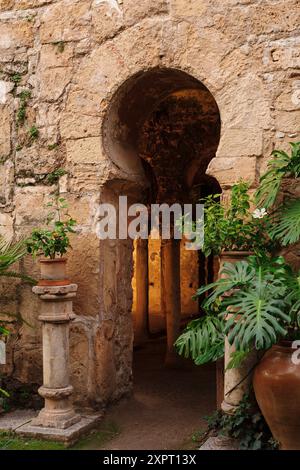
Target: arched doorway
(161,130)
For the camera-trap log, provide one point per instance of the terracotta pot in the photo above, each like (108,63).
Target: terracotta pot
(233,256)
(53,272)
(277,390)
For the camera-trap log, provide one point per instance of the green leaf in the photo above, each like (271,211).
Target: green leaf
(203,340)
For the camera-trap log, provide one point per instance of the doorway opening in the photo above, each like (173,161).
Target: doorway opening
(161,131)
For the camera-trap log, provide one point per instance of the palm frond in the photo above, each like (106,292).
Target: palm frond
(10,253)
(18,275)
(3,392)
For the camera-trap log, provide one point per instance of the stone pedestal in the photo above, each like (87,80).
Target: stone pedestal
(142,291)
(237,381)
(170,295)
(56,314)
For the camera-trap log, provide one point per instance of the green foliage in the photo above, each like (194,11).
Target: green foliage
(16,78)
(232,226)
(24,96)
(247,425)
(33,133)
(267,293)
(55,241)
(52,146)
(10,253)
(9,441)
(203,340)
(281,166)
(286,223)
(53,177)
(60,46)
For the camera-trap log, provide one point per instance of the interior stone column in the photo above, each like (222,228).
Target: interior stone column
(170,294)
(56,313)
(142,290)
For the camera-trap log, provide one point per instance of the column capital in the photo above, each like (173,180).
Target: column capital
(52,292)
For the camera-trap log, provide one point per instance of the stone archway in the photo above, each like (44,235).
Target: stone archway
(161,130)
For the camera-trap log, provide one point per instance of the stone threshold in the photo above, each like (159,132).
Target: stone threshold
(19,423)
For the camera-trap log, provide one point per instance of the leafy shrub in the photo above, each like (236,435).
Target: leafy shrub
(55,241)
(247,425)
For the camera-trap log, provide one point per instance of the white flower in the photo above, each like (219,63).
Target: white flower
(259,213)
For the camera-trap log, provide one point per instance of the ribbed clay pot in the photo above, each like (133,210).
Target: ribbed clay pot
(53,272)
(277,389)
(233,257)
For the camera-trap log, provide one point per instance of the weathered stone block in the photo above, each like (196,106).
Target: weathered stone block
(107,19)
(37,160)
(99,71)
(74,126)
(6,5)
(228,171)
(105,364)
(30,205)
(84,269)
(5,89)
(240,143)
(5,122)
(16,34)
(56,55)
(87,150)
(86,178)
(142,44)
(135,11)
(191,8)
(244,103)
(65,21)
(53,82)
(288,121)
(6,226)
(24,4)
(82,208)
(6,182)
(282,54)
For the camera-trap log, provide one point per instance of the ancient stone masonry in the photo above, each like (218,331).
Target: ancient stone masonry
(80,83)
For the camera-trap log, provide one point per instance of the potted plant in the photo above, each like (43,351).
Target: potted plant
(255,305)
(277,377)
(52,243)
(236,228)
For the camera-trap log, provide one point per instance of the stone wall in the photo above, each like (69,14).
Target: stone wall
(61,63)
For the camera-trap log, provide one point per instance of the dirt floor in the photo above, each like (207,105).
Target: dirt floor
(167,407)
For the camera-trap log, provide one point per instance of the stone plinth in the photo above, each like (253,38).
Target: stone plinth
(236,380)
(56,314)
(21,422)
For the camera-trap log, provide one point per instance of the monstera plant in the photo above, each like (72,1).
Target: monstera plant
(263,306)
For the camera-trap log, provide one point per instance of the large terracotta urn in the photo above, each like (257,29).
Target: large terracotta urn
(277,389)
